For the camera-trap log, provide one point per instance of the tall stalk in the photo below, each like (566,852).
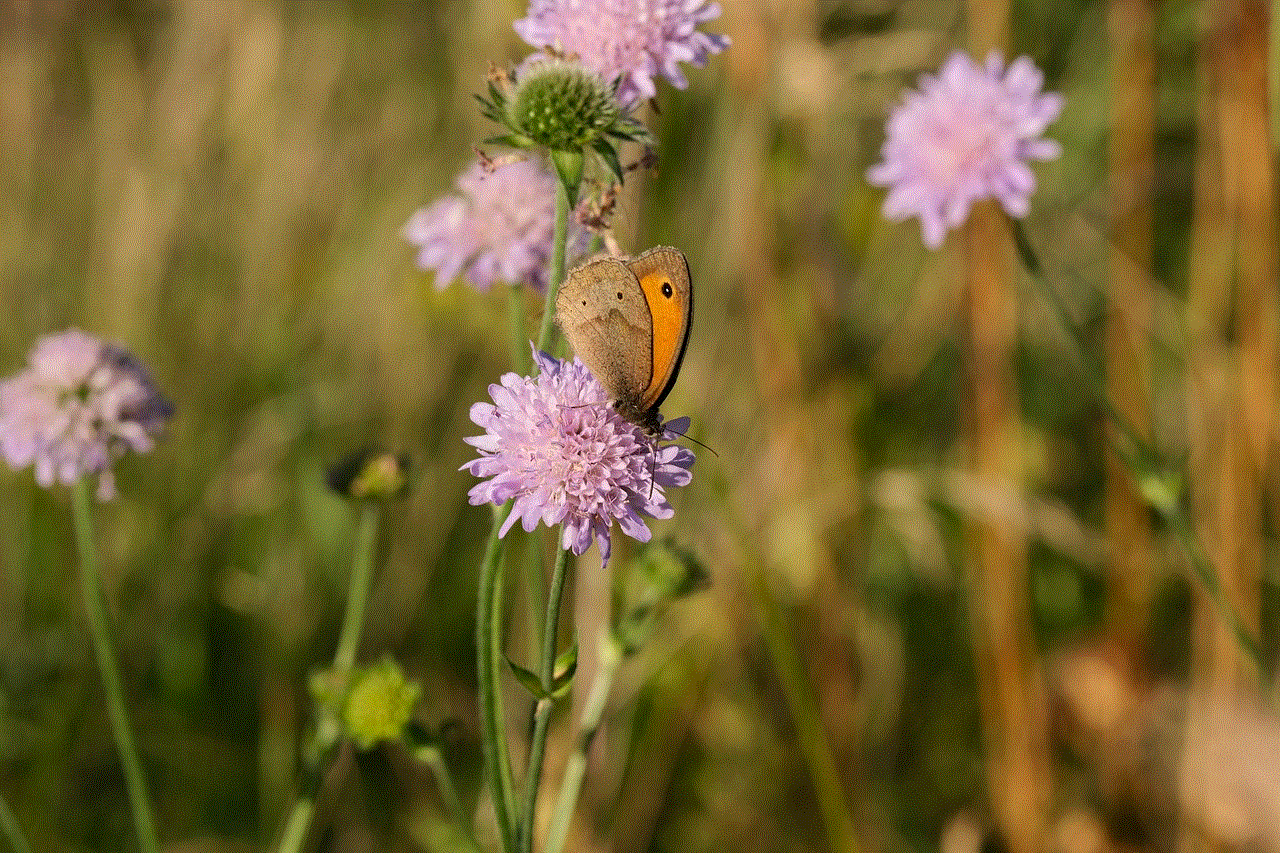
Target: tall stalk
(361,583)
(575,769)
(366,543)
(12,832)
(546,703)
(95,609)
(493,738)
(1129,306)
(1017,751)
(559,248)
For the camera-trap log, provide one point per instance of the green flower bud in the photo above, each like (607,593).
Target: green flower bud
(380,704)
(370,474)
(562,106)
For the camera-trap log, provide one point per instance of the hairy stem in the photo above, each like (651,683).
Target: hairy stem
(575,770)
(295,831)
(497,762)
(556,277)
(542,714)
(434,758)
(304,807)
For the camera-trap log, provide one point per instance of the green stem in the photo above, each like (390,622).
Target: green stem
(497,763)
(542,714)
(434,759)
(1131,451)
(344,659)
(535,593)
(517,339)
(95,609)
(1208,577)
(9,825)
(575,770)
(295,831)
(358,593)
(804,713)
(557,266)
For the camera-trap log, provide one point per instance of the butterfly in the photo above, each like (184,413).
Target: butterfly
(628,321)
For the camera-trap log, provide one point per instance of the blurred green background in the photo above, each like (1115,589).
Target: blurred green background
(221,187)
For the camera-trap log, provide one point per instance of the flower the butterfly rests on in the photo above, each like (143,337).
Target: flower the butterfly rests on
(555,445)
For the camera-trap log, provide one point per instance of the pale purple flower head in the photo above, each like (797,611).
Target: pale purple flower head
(80,405)
(632,41)
(966,135)
(498,228)
(557,446)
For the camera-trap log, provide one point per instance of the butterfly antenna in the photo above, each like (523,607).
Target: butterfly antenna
(699,443)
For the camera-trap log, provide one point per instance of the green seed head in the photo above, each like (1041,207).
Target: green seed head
(562,106)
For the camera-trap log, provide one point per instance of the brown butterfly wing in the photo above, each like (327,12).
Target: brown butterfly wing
(602,312)
(663,274)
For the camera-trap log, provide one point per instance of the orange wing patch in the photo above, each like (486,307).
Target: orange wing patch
(669,316)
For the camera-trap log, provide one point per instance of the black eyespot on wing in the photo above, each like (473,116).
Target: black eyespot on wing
(666,289)
(584,303)
(619,295)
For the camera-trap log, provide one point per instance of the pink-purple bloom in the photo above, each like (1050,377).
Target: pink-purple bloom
(497,228)
(556,445)
(967,134)
(80,405)
(632,41)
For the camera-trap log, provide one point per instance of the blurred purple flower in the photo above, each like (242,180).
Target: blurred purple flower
(557,446)
(498,228)
(80,405)
(966,135)
(630,40)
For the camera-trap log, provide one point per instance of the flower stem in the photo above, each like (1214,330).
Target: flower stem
(518,340)
(95,609)
(358,593)
(304,807)
(497,763)
(434,758)
(12,832)
(542,713)
(575,769)
(1208,577)
(295,831)
(1130,449)
(812,739)
(556,277)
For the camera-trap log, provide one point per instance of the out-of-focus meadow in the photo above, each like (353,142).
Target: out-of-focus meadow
(935,598)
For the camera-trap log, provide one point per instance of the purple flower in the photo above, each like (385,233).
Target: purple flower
(557,446)
(498,228)
(631,40)
(80,405)
(966,135)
